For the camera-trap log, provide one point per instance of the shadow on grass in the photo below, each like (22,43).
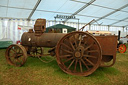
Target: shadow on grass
(99,73)
(102,71)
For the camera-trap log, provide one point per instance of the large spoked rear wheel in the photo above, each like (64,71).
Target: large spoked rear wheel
(78,53)
(16,55)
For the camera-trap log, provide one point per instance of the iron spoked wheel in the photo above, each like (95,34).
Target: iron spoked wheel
(36,51)
(122,48)
(16,55)
(78,53)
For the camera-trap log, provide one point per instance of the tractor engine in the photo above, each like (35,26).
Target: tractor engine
(38,38)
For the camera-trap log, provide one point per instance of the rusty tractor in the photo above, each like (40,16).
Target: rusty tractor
(77,53)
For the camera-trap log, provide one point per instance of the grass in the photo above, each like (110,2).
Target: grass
(35,72)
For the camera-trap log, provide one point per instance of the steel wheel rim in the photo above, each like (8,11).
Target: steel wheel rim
(16,55)
(78,59)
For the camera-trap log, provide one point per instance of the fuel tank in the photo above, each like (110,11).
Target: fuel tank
(44,40)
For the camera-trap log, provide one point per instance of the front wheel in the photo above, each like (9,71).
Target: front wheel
(16,55)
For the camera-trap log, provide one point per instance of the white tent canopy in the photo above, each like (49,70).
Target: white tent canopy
(106,12)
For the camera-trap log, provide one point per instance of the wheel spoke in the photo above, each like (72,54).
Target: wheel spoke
(20,54)
(65,56)
(22,60)
(80,66)
(75,40)
(18,60)
(18,50)
(80,39)
(66,46)
(14,50)
(68,59)
(86,40)
(38,52)
(71,63)
(14,61)
(85,64)
(90,56)
(88,61)
(13,55)
(88,46)
(11,51)
(71,44)
(67,51)
(75,64)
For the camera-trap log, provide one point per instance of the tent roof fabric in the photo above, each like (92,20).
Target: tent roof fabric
(60,26)
(107,12)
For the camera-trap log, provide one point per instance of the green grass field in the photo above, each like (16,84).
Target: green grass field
(35,72)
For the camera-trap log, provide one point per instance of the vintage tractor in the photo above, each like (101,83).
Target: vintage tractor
(77,53)
(121,46)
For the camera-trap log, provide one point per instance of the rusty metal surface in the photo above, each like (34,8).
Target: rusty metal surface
(109,47)
(78,53)
(44,40)
(40,26)
(16,55)
(108,44)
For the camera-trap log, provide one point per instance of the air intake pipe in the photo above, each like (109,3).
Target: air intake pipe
(119,32)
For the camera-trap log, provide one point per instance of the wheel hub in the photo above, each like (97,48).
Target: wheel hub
(77,54)
(16,56)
